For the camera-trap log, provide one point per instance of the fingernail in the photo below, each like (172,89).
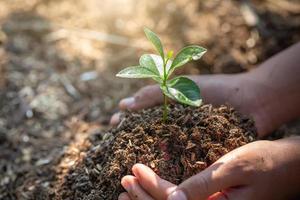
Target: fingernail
(126,185)
(115,119)
(177,195)
(127,102)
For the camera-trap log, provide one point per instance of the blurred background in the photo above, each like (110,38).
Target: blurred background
(58,60)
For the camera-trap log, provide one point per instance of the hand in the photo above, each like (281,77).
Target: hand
(236,90)
(257,171)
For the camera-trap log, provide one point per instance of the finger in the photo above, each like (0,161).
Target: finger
(217,177)
(124,196)
(115,119)
(133,188)
(157,187)
(146,97)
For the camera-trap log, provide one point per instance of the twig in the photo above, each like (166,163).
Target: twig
(65,33)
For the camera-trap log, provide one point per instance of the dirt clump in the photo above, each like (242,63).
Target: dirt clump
(190,141)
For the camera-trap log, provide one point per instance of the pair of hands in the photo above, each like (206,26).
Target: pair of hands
(259,170)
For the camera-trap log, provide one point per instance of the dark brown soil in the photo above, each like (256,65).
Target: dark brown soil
(191,140)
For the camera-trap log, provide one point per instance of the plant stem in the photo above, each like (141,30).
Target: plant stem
(165,111)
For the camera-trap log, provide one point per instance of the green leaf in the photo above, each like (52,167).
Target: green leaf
(152,37)
(187,54)
(155,63)
(148,61)
(183,90)
(137,72)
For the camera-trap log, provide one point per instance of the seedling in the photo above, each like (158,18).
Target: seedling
(160,67)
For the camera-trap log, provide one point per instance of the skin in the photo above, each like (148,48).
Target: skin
(260,170)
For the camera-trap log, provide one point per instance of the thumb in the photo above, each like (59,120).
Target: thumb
(146,97)
(210,181)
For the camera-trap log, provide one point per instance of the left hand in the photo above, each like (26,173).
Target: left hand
(260,170)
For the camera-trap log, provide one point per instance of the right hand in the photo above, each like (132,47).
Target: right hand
(236,90)
(258,170)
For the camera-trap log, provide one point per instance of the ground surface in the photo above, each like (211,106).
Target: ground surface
(58,60)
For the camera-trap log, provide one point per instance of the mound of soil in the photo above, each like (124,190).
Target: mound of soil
(190,141)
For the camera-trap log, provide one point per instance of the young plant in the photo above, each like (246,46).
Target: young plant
(160,67)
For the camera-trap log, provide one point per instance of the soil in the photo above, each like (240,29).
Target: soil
(190,141)
(58,62)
